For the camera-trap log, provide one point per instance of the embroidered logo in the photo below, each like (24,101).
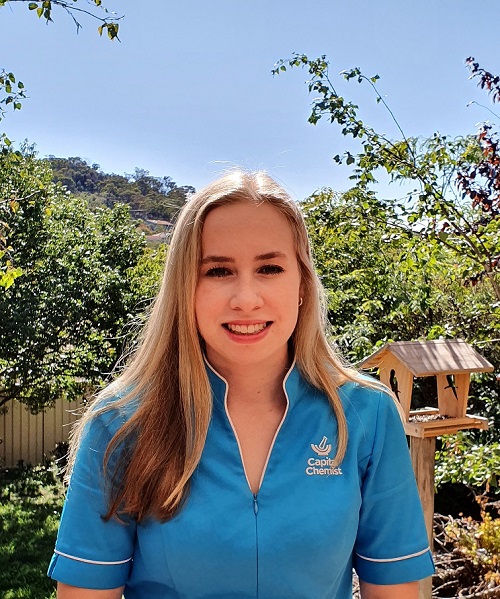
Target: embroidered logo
(323,448)
(323,466)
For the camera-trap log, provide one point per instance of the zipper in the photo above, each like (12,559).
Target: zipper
(255,495)
(270,448)
(256,511)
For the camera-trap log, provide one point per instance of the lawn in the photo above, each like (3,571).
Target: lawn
(30,505)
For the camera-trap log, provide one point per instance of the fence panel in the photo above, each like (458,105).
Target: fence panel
(29,437)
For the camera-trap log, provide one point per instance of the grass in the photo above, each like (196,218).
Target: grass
(30,505)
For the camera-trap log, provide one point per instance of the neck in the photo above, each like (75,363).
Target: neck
(263,382)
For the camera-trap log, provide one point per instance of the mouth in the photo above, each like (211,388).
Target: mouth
(247,329)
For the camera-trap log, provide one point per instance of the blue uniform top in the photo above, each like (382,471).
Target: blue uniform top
(300,536)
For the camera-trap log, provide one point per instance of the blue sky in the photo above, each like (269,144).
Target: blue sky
(189,92)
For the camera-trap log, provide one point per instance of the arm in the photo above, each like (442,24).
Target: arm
(92,553)
(392,547)
(65,591)
(409,590)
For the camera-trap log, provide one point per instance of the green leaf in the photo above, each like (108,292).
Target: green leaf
(32,5)
(39,11)
(112,30)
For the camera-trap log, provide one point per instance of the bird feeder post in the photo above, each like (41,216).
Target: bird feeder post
(423,456)
(451,362)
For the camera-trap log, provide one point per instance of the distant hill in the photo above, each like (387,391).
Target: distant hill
(149,198)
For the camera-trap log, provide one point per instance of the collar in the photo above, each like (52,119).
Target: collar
(292,383)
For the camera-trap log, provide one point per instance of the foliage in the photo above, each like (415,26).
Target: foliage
(383,283)
(146,195)
(43,9)
(12,93)
(484,540)
(434,208)
(62,322)
(145,277)
(30,504)
(460,460)
(466,557)
(480,543)
(355,251)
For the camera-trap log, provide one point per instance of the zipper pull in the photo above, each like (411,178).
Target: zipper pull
(255,504)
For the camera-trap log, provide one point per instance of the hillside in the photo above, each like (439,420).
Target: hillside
(149,198)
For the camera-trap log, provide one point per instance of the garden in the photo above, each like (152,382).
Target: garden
(77,277)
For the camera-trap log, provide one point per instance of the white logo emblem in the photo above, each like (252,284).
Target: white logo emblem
(323,448)
(322,466)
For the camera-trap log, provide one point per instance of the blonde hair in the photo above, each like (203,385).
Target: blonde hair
(165,435)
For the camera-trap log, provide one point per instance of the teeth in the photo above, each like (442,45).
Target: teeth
(244,329)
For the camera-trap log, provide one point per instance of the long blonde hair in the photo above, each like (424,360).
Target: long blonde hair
(166,374)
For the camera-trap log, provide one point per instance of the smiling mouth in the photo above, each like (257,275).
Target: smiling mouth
(250,329)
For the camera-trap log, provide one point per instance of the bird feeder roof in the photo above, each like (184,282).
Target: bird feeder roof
(429,358)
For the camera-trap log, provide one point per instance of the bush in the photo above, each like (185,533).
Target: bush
(467,556)
(30,503)
(460,460)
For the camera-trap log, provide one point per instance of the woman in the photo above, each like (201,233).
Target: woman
(236,456)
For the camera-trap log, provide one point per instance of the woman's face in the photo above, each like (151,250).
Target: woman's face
(248,287)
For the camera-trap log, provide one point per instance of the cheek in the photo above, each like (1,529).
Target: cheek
(198,305)
(205,306)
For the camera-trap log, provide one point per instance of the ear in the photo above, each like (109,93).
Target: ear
(301,291)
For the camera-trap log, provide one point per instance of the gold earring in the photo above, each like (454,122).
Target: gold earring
(300,302)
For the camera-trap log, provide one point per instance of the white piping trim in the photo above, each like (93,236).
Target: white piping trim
(234,430)
(91,561)
(394,559)
(279,426)
(214,371)
(229,417)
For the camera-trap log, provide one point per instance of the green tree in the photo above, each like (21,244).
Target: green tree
(441,207)
(61,325)
(382,284)
(12,93)
(147,196)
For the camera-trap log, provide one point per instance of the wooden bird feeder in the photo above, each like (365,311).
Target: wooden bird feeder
(451,362)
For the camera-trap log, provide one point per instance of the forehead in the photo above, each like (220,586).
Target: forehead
(247,225)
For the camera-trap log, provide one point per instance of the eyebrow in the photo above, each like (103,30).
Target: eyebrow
(259,257)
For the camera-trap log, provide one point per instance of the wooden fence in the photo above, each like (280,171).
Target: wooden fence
(28,437)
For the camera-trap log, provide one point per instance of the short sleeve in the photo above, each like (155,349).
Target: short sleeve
(91,552)
(391,545)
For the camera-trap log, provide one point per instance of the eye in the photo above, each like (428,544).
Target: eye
(218,271)
(271,269)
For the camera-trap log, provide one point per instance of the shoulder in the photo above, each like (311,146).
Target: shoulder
(105,417)
(372,414)
(367,395)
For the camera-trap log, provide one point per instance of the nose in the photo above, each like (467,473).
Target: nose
(245,295)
